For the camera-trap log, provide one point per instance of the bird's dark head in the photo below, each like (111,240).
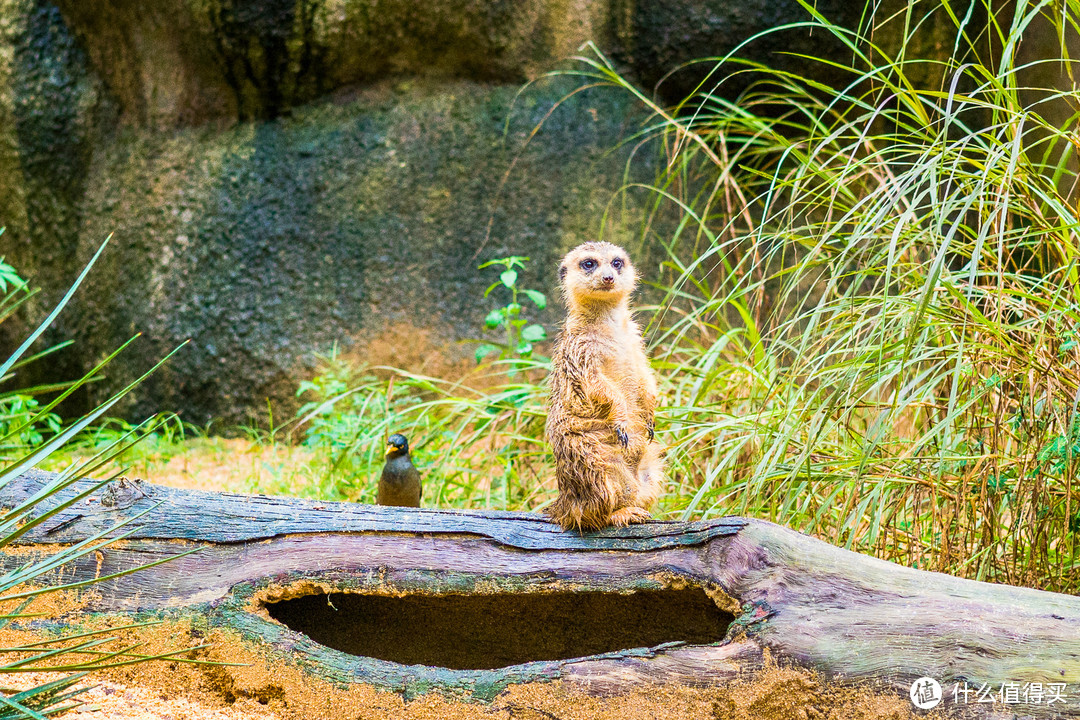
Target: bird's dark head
(397,446)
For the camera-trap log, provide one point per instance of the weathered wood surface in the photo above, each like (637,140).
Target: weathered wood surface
(176,513)
(810,603)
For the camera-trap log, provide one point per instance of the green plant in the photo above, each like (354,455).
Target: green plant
(22,411)
(331,425)
(73,653)
(9,277)
(334,418)
(23,425)
(520,334)
(871,290)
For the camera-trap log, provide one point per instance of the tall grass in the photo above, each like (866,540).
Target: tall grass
(869,315)
(29,433)
(478,439)
(869,332)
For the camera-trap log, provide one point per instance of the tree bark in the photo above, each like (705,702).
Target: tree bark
(421,599)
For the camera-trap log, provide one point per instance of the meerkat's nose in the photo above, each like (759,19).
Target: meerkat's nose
(608,278)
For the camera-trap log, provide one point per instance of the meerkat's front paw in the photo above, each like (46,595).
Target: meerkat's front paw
(651,427)
(624,437)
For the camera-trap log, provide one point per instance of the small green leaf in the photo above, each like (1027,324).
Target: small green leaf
(524,349)
(494,318)
(483,350)
(534,333)
(508,277)
(8,275)
(513,309)
(538,298)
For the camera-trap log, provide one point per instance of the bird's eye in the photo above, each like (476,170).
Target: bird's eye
(617,263)
(588,265)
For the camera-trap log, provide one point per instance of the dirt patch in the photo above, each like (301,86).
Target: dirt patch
(107,700)
(235,465)
(779,693)
(424,354)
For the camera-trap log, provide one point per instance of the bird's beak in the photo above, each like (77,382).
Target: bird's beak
(389,449)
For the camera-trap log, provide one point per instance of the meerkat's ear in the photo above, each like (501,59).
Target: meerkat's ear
(562,271)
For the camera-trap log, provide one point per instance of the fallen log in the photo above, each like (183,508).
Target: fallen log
(422,599)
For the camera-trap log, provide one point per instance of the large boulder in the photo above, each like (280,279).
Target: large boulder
(186,61)
(282,176)
(359,222)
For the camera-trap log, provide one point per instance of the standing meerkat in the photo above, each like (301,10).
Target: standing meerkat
(603,397)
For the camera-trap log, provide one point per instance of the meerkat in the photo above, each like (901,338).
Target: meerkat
(601,412)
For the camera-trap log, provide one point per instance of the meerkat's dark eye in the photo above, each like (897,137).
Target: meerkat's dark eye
(588,265)
(617,263)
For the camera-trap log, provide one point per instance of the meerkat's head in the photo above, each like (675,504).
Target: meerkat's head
(597,273)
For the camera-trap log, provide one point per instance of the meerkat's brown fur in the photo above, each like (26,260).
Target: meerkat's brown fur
(600,424)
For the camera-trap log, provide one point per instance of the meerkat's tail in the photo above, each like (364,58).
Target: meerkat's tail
(650,477)
(589,492)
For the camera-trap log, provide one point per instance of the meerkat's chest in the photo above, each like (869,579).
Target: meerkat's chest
(621,354)
(614,350)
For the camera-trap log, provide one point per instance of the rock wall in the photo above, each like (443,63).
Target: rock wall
(345,222)
(187,61)
(281,175)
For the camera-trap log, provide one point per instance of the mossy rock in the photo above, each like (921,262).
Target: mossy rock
(187,61)
(282,176)
(360,222)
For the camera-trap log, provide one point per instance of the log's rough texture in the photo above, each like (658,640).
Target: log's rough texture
(812,604)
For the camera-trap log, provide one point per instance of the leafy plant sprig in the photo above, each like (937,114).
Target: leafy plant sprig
(521,335)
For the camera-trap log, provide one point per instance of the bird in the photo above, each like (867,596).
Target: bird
(400,481)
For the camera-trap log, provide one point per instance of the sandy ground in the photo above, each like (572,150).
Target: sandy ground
(108,699)
(774,694)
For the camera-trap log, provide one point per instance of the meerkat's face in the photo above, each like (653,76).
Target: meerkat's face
(597,271)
